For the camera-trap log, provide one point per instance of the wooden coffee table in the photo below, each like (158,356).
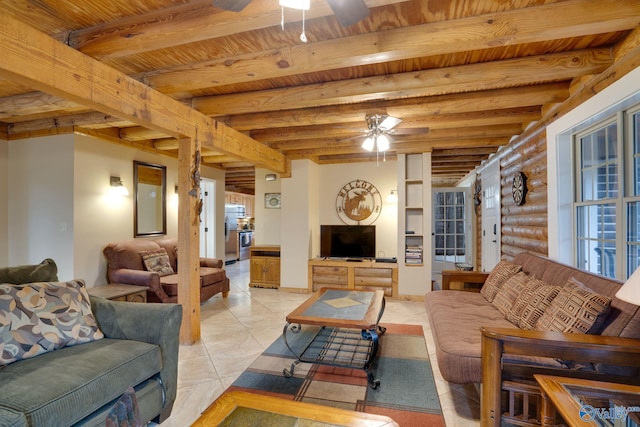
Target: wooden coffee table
(347,324)
(239,409)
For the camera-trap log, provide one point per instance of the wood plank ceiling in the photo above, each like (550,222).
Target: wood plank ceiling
(464,76)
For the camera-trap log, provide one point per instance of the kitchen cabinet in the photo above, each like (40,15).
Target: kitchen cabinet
(264,267)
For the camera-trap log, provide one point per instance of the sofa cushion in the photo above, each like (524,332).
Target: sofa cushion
(62,387)
(532,303)
(455,318)
(157,261)
(509,292)
(576,309)
(211,275)
(500,273)
(46,271)
(36,318)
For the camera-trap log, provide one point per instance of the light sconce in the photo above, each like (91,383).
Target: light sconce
(176,189)
(117,186)
(392,197)
(270,177)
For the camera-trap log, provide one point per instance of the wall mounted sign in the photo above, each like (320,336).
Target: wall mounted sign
(272,200)
(359,203)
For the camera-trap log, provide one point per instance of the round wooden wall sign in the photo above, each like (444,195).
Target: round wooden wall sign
(358,203)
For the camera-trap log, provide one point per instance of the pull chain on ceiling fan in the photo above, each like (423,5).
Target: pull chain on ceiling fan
(379,127)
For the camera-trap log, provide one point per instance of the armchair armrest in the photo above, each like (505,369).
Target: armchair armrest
(153,323)
(149,279)
(499,341)
(211,262)
(449,276)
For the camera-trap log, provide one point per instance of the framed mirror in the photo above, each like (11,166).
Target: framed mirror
(150,207)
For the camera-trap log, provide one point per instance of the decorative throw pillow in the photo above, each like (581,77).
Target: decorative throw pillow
(500,273)
(157,261)
(509,291)
(576,309)
(532,303)
(36,318)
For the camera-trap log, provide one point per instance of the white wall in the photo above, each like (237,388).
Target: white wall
(40,196)
(4,207)
(63,181)
(267,221)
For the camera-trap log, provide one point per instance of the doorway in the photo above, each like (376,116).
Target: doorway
(208,219)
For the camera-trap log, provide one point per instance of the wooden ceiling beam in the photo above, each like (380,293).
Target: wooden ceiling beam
(406,108)
(32,58)
(181,24)
(512,27)
(463,78)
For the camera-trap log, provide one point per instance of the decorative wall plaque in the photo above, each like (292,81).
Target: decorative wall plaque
(519,189)
(358,203)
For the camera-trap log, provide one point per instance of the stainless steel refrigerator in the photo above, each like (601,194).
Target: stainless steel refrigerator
(231,215)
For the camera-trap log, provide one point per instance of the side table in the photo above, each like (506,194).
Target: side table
(585,403)
(118,292)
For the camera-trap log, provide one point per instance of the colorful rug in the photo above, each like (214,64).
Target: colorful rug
(407,391)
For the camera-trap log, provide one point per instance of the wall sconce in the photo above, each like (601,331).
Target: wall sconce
(392,197)
(270,177)
(118,187)
(176,189)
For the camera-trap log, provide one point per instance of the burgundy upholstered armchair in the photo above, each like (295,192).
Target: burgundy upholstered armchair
(143,262)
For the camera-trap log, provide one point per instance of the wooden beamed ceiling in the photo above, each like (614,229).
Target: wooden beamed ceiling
(464,76)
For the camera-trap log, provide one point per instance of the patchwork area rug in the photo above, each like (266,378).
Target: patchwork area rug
(407,391)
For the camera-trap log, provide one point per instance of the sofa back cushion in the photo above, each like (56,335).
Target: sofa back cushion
(126,254)
(623,318)
(46,271)
(36,318)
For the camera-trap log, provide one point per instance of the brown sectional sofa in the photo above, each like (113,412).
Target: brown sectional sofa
(475,343)
(125,265)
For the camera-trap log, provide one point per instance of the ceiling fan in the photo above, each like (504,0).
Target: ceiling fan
(380,126)
(348,12)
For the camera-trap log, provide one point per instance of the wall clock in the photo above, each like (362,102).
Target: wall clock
(519,188)
(358,202)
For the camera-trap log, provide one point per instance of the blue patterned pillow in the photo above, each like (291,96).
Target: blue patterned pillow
(36,318)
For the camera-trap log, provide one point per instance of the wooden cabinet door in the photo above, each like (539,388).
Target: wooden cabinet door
(272,271)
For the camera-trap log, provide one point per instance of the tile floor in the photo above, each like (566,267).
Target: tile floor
(237,329)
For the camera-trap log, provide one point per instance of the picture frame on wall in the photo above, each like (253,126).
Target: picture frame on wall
(272,201)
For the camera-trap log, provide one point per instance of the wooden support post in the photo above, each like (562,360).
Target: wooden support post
(490,400)
(189,238)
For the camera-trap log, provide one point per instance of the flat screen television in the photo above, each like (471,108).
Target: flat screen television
(348,241)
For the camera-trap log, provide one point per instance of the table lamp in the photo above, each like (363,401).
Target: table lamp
(630,290)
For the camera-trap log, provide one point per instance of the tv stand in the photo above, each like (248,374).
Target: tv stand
(353,273)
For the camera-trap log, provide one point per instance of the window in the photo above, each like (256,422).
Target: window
(607,202)
(449,226)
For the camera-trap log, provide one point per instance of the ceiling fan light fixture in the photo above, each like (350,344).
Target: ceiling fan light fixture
(383,142)
(368,144)
(296,4)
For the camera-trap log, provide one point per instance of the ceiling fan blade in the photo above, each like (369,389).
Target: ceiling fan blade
(349,12)
(390,122)
(231,5)
(410,131)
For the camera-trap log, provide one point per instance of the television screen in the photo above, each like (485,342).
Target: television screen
(348,241)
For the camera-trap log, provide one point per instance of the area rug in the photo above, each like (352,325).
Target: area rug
(407,391)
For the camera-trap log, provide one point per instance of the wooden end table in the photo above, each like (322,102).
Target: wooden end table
(348,330)
(587,403)
(119,292)
(239,408)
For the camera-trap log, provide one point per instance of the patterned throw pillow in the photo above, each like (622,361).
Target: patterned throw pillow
(157,261)
(576,309)
(36,318)
(509,292)
(532,303)
(500,273)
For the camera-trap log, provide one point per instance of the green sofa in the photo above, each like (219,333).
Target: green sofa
(80,384)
